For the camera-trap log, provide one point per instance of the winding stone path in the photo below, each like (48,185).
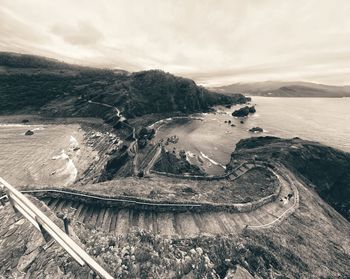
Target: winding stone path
(182,224)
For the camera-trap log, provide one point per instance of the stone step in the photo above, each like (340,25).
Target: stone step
(78,211)
(224,227)
(154,223)
(114,219)
(87,214)
(134,218)
(59,205)
(166,224)
(122,226)
(94,215)
(100,217)
(228,223)
(211,224)
(187,225)
(238,220)
(107,218)
(52,203)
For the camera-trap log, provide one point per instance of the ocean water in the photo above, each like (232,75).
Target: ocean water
(210,141)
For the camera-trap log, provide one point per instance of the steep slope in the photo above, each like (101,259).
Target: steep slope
(31,84)
(326,168)
(286,89)
(312,242)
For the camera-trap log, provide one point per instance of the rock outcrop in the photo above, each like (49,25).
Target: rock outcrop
(244,111)
(170,163)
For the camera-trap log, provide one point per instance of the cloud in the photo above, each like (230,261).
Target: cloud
(212,41)
(81,34)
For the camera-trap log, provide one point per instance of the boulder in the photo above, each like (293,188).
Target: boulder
(242,112)
(29,133)
(256,130)
(252,109)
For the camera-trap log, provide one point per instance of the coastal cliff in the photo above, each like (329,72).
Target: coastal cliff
(32,84)
(324,168)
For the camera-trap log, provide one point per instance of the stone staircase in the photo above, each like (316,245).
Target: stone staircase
(183,224)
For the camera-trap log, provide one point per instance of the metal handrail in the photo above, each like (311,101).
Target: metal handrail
(42,222)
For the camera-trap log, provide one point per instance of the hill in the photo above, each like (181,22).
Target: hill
(33,84)
(286,89)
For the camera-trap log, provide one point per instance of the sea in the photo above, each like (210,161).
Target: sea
(210,138)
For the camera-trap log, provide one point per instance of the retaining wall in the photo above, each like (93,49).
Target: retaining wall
(142,204)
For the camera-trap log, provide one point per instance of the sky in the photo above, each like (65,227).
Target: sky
(213,42)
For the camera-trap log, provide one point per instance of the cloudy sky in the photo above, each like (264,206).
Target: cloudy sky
(214,42)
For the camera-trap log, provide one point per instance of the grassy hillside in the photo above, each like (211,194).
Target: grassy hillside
(31,84)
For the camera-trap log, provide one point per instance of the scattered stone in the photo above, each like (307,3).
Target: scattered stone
(25,121)
(29,133)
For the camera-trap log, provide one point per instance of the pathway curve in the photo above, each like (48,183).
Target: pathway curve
(183,223)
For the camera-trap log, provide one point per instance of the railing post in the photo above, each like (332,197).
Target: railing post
(66,223)
(44,233)
(16,217)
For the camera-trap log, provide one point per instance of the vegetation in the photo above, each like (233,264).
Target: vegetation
(31,84)
(143,255)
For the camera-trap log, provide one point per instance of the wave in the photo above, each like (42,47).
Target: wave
(13,125)
(69,169)
(73,143)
